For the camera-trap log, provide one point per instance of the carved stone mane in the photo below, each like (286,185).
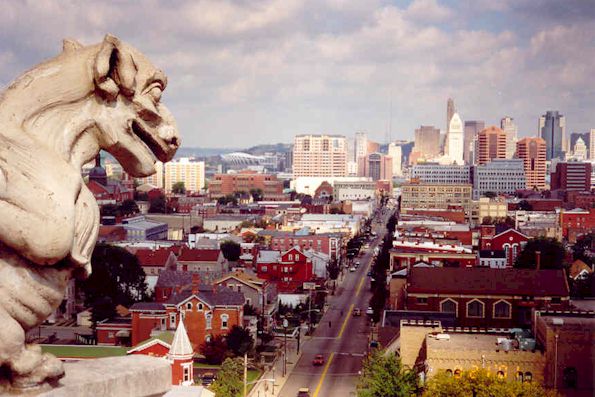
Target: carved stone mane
(53,119)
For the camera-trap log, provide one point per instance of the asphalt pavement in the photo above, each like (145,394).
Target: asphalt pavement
(340,337)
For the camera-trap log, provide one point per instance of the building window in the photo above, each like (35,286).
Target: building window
(457,373)
(448,306)
(297,257)
(528,376)
(289,256)
(500,375)
(501,309)
(475,309)
(172,320)
(163,323)
(449,372)
(189,305)
(556,300)
(110,335)
(209,320)
(186,373)
(207,338)
(422,301)
(200,307)
(263,269)
(519,376)
(570,378)
(224,321)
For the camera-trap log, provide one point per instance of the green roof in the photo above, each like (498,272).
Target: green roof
(84,351)
(165,336)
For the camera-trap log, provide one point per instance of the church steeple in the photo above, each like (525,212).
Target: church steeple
(181,357)
(98,173)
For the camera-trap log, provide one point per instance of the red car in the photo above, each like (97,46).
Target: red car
(318,360)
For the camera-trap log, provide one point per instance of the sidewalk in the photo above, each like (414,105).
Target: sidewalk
(267,389)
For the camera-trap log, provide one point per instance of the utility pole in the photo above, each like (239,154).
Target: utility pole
(245,374)
(285,324)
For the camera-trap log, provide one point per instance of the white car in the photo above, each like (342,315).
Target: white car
(369,311)
(352,269)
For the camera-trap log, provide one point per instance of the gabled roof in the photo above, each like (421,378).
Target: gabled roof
(180,345)
(512,230)
(173,278)
(579,267)
(164,339)
(294,248)
(147,306)
(153,257)
(486,281)
(268,256)
(244,278)
(198,255)
(210,295)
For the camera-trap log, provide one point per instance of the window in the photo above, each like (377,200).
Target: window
(209,320)
(224,320)
(163,323)
(502,309)
(172,320)
(189,305)
(519,376)
(297,257)
(422,301)
(110,334)
(528,376)
(457,373)
(556,300)
(289,257)
(570,378)
(448,306)
(449,372)
(475,309)
(207,338)
(263,269)
(500,375)
(186,373)
(200,306)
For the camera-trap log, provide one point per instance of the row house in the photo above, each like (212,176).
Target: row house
(405,254)
(506,244)
(488,298)
(330,244)
(207,311)
(291,267)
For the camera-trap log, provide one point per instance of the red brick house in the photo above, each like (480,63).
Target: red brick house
(289,266)
(510,241)
(327,243)
(114,331)
(576,222)
(483,297)
(207,311)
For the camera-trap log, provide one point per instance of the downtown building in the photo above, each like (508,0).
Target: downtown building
(245,181)
(552,128)
(572,175)
(376,166)
(533,153)
(454,143)
(471,130)
(498,176)
(427,143)
(418,195)
(441,174)
(185,169)
(319,156)
(491,144)
(510,128)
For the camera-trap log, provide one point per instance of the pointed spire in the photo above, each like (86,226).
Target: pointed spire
(181,348)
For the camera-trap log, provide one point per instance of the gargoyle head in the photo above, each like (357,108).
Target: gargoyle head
(134,126)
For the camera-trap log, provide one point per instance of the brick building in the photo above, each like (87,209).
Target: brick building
(288,268)
(491,144)
(154,261)
(483,297)
(327,243)
(244,181)
(577,222)
(509,242)
(572,175)
(533,153)
(406,253)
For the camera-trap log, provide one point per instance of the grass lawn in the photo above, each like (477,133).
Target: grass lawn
(82,351)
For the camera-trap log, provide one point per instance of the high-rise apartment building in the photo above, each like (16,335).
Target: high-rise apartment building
(491,144)
(552,128)
(396,153)
(572,175)
(472,128)
(427,142)
(454,140)
(450,111)
(186,170)
(319,155)
(533,153)
(510,128)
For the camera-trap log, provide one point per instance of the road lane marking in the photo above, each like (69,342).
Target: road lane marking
(359,287)
(348,314)
(324,371)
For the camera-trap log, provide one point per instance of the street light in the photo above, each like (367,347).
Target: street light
(285,324)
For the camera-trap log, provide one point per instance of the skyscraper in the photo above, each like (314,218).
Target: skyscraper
(507,125)
(533,153)
(427,141)
(319,155)
(552,128)
(378,167)
(491,144)
(395,152)
(454,140)
(361,145)
(450,111)
(472,128)
(186,170)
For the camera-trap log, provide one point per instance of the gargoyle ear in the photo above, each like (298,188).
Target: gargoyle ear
(70,45)
(114,70)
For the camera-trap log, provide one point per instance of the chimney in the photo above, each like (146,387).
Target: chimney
(538,260)
(195,283)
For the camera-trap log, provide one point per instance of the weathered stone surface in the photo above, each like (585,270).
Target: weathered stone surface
(135,375)
(53,119)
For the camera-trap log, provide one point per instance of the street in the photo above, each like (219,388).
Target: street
(340,337)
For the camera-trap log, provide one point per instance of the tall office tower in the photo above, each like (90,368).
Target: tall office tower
(395,152)
(507,125)
(350,142)
(427,141)
(378,167)
(533,153)
(319,155)
(472,128)
(454,140)
(186,170)
(450,111)
(361,145)
(592,145)
(552,128)
(491,144)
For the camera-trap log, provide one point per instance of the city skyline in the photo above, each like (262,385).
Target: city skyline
(252,73)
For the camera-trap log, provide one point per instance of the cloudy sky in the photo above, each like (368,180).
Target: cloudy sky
(247,72)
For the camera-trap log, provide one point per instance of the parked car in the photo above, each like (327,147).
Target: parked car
(207,378)
(303,392)
(352,269)
(369,311)
(318,360)
(357,312)
(357,264)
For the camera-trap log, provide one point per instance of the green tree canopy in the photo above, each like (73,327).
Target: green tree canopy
(552,254)
(178,188)
(129,207)
(229,382)
(239,340)
(231,250)
(158,205)
(215,350)
(480,384)
(256,194)
(383,375)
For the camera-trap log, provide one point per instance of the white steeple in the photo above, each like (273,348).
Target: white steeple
(181,348)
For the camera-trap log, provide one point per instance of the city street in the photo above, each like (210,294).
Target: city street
(340,337)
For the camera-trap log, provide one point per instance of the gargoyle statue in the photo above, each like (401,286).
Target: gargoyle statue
(53,119)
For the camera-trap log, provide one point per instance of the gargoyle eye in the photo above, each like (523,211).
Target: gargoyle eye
(155,93)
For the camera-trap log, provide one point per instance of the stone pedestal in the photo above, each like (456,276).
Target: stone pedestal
(135,375)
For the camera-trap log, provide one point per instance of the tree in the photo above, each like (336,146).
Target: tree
(239,340)
(215,350)
(229,382)
(490,194)
(256,194)
(582,248)
(332,268)
(117,279)
(109,210)
(158,205)
(228,199)
(552,254)
(524,205)
(480,383)
(383,375)
(129,207)
(231,250)
(178,188)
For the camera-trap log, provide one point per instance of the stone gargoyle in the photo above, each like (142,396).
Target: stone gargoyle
(54,119)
